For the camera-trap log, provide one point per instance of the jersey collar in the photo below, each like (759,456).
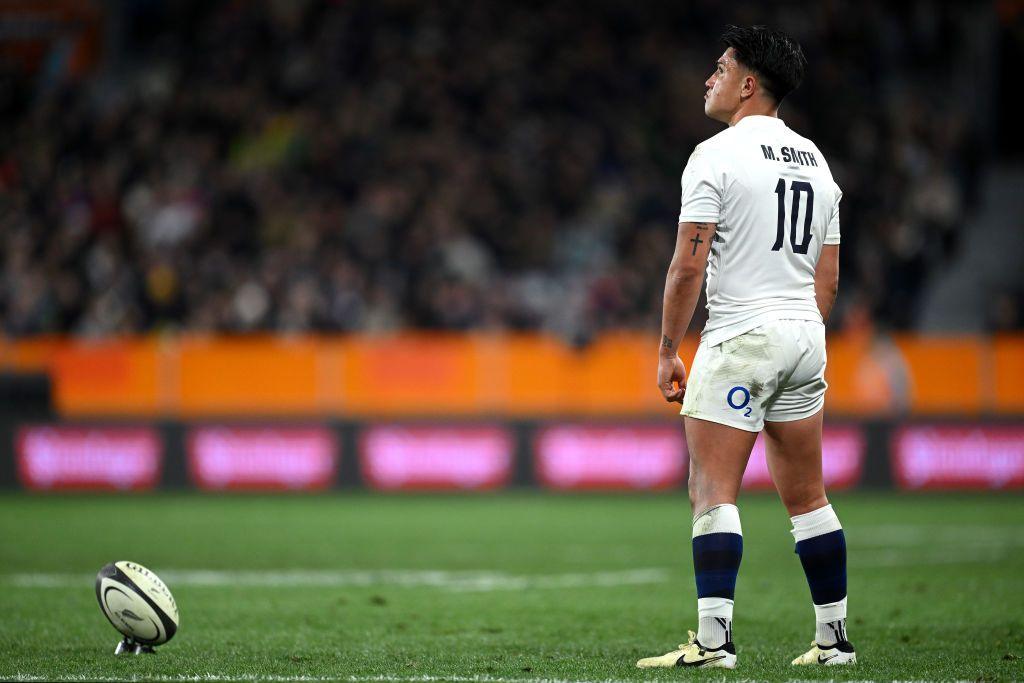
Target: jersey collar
(759,120)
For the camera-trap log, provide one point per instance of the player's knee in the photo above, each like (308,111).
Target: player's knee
(801,502)
(695,497)
(699,487)
(705,493)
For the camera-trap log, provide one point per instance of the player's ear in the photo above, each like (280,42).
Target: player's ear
(749,86)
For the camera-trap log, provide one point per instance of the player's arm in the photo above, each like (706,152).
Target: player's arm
(682,289)
(826,279)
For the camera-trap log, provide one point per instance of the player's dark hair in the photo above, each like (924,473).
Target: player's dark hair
(776,58)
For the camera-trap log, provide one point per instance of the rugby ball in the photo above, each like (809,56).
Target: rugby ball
(137,602)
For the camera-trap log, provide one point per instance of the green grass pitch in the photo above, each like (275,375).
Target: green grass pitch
(517,587)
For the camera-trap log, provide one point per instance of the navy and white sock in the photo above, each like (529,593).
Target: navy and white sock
(717,551)
(821,545)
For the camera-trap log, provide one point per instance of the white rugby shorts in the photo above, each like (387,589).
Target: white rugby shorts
(774,372)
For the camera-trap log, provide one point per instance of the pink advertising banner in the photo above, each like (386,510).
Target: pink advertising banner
(610,457)
(262,458)
(52,457)
(427,457)
(955,456)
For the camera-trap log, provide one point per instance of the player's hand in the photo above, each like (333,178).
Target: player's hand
(671,378)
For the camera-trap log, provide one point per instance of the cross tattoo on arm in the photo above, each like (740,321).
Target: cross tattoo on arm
(696,237)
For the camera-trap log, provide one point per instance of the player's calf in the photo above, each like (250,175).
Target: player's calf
(821,545)
(717,552)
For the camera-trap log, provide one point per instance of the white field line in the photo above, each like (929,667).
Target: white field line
(900,545)
(903,558)
(489,581)
(887,545)
(271,678)
(931,535)
(459,582)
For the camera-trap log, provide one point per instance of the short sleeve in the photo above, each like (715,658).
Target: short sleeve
(701,200)
(832,234)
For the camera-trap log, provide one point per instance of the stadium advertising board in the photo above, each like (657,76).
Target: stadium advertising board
(52,457)
(842,460)
(953,456)
(610,457)
(423,457)
(262,458)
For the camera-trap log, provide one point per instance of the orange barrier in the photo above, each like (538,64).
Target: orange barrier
(244,375)
(108,377)
(516,375)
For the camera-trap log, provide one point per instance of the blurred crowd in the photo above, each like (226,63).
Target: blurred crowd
(377,165)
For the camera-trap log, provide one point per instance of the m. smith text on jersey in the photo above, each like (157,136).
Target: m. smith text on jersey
(790,155)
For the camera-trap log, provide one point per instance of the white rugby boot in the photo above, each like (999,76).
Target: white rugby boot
(828,655)
(692,653)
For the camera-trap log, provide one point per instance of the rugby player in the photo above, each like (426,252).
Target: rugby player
(760,213)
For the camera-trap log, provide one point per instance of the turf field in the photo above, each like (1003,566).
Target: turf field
(517,587)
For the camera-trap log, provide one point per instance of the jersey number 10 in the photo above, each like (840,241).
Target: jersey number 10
(798,187)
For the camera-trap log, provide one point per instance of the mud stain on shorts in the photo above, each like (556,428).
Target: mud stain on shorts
(756,387)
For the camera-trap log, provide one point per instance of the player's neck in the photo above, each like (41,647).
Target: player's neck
(754,108)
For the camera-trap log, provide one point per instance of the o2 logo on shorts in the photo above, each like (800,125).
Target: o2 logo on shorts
(738,398)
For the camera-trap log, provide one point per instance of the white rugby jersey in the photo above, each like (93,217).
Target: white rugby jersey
(775,202)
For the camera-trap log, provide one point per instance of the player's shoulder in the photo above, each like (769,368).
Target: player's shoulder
(713,149)
(720,140)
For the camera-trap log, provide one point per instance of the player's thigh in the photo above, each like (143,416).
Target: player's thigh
(793,451)
(718,458)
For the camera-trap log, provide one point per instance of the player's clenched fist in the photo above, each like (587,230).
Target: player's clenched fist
(671,378)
